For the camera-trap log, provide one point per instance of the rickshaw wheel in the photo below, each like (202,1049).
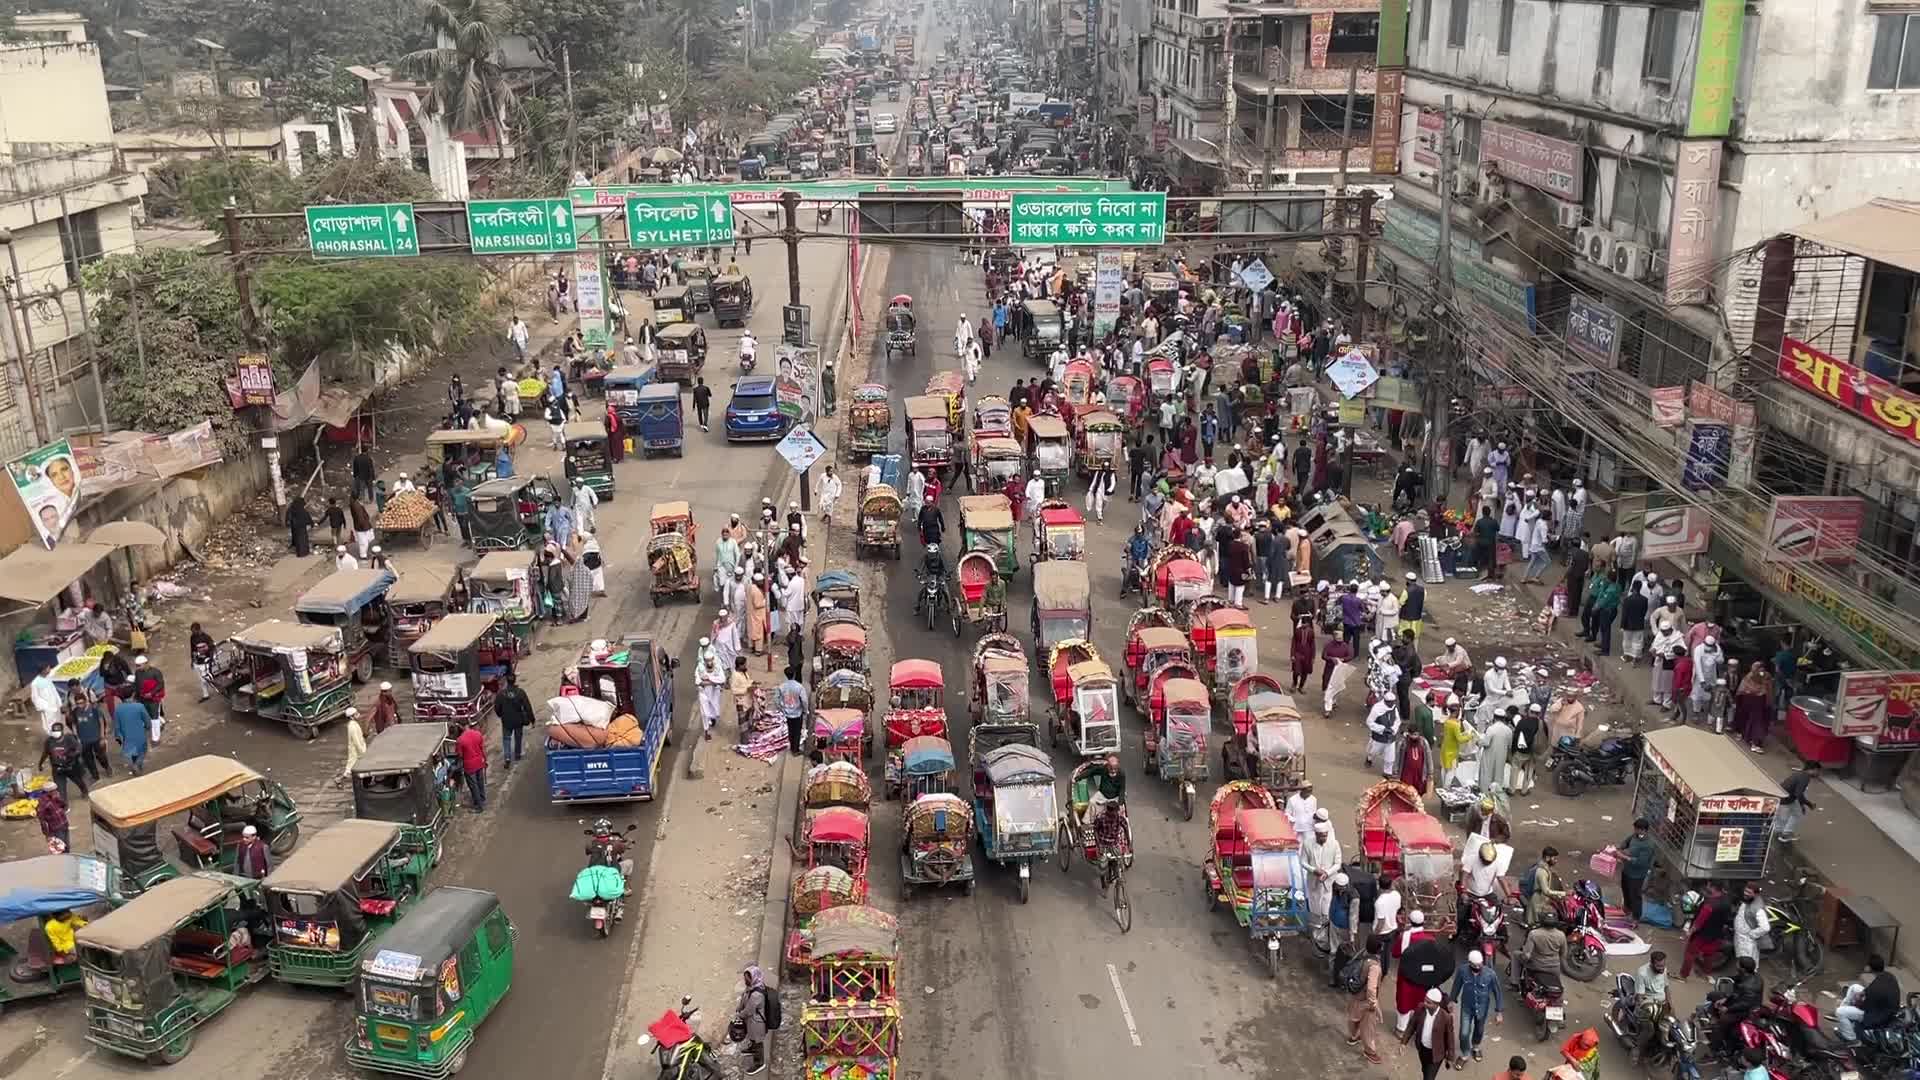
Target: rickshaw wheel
(1273,963)
(308,732)
(1122,907)
(1213,895)
(956,620)
(457,1062)
(1186,804)
(284,840)
(174,1051)
(1063,842)
(1025,889)
(363,668)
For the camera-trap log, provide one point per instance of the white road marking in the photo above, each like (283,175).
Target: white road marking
(1126,1011)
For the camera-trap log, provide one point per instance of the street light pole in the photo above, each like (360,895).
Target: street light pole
(790,204)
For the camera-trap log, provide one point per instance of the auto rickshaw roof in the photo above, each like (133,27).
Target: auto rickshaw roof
(465,436)
(585,429)
(999,663)
(1184,692)
(1184,569)
(916,675)
(419,585)
(1061,515)
(927,755)
(1227,618)
(926,407)
(1089,671)
(1040,307)
(401,748)
(1261,827)
(843,634)
(837,825)
(669,292)
(1047,427)
(439,925)
(1061,584)
(993,445)
(623,376)
(855,930)
(278,635)
(1416,830)
(660,391)
(1154,638)
(49,884)
(946,382)
(333,856)
(1018,763)
(500,487)
(157,911)
(670,511)
(178,787)
(730,277)
(1103,417)
(345,591)
(680,330)
(986,513)
(454,633)
(495,566)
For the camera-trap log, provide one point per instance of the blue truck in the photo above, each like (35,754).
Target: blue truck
(635,676)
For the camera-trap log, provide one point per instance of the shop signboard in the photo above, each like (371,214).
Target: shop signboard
(1395,392)
(1903,712)
(1810,596)
(1538,161)
(1669,531)
(1417,233)
(1108,278)
(1385,139)
(1709,445)
(1426,137)
(1352,374)
(1593,329)
(1669,406)
(1715,65)
(1693,224)
(1814,528)
(1320,36)
(1872,398)
(1860,706)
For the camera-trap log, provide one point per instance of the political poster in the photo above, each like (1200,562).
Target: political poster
(48,484)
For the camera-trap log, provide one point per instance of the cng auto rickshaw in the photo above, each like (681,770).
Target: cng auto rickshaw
(1050,448)
(588,460)
(902,335)
(682,349)
(999,682)
(1179,717)
(497,513)
(170,960)
(294,673)
(986,526)
(732,299)
(456,668)
(996,461)
(1062,605)
(406,776)
(473,449)
(1086,700)
(624,386)
(1015,809)
(1045,329)
(869,419)
(699,278)
(38,888)
(334,897)
(671,306)
(504,583)
(220,797)
(671,553)
(354,603)
(659,422)
(438,974)
(414,603)
(1254,869)
(1269,743)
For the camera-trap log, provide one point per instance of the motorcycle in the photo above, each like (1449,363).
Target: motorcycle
(1584,913)
(682,1053)
(1797,1024)
(933,599)
(604,852)
(1485,928)
(1673,1043)
(1894,1048)
(1130,572)
(1577,766)
(747,349)
(1546,1001)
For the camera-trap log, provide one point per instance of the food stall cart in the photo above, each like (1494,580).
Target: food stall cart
(33,575)
(1712,811)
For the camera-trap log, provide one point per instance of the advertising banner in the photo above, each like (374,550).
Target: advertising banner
(1669,406)
(590,299)
(47,482)
(1814,528)
(1320,37)
(255,382)
(1426,137)
(1675,530)
(1709,447)
(1903,712)
(1108,277)
(1860,707)
(1872,398)
(1593,329)
(1538,161)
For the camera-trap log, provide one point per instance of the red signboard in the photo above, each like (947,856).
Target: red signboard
(1861,705)
(1386,123)
(1814,528)
(1322,36)
(1669,405)
(1872,398)
(1426,137)
(1903,711)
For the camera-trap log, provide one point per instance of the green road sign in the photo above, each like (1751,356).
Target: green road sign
(520,226)
(358,231)
(687,219)
(1113,218)
(971,188)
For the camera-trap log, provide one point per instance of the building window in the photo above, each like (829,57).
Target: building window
(1426,20)
(1636,201)
(1663,31)
(79,241)
(1457,24)
(1505,43)
(1609,35)
(1896,53)
(1355,34)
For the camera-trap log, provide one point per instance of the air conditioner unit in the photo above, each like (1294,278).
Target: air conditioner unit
(1631,261)
(1210,30)
(1596,244)
(1567,215)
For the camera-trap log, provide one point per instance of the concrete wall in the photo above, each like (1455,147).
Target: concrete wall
(1805,77)
(53,93)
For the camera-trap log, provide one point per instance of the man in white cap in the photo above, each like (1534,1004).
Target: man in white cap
(711,681)
(1453,659)
(1407,994)
(377,560)
(1323,858)
(1576,511)
(356,742)
(1386,618)
(1499,686)
(344,560)
(1477,990)
(1489,493)
(726,639)
(250,855)
(1383,727)
(1302,808)
(1496,743)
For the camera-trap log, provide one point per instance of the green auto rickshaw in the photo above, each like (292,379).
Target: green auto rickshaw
(437,975)
(406,776)
(220,798)
(699,279)
(335,896)
(732,299)
(671,305)
(588,459)
(40,889)
(175,957)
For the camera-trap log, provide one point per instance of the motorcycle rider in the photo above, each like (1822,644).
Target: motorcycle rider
(1542,955)
(1749,992)
(1876,1008)
(1649,1003)
(748,346)
(609,848)
(1139,549)
(933,567)
(1478,878)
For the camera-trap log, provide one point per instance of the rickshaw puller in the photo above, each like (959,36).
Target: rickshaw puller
(1108,785)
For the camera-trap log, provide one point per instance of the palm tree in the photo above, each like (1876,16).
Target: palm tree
(467,86)
(696,23)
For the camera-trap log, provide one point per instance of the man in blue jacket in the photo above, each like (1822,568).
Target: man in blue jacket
(1476,991)
(130,721)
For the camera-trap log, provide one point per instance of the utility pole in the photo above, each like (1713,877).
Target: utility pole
(790,203)
(1226,139)
(1439,373)
(133,304)
(573,118)
(86,322)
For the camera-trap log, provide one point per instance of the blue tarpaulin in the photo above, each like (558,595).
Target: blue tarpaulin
(51,883)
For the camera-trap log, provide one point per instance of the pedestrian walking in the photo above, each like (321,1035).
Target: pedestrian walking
(50,810)
(1363,1011)
(702,401)
(1476,989)
(516,715)
(472,748)
(362,470)
(517,338)
(1432,1035)
(130,722)
(60,754)
(86,725)
(46,698)
(200,657)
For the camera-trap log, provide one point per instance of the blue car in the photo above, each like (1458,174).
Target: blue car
(753,414)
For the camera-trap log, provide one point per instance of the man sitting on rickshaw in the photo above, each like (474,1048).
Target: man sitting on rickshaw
(1105,787)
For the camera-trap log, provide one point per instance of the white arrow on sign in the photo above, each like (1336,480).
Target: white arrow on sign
(719,211)
(399,221)
(560,216)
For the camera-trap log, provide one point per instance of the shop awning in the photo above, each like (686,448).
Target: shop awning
(1884,230)
(34,575)
(1705,763)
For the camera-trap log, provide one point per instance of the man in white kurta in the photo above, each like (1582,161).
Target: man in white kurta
(1301,808)
(712,683)
(1322,857)
(1496,744)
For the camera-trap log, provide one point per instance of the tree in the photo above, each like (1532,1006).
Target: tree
(693,26)
(590,30)
(256,186)
(467,86)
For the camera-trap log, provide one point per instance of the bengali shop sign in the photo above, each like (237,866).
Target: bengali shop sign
(1426,137)
(1320,37)
(1538,161)
(1669,406)
(1862,393)
(1593,329)
(1385,142)
(1903,711)
(1860,707)
(1674,530)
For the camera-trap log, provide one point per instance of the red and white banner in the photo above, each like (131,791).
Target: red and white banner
(1861,708)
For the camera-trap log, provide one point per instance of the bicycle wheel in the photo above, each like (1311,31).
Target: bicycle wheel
(1122,910)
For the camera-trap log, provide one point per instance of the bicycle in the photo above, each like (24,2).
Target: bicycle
(1113,874)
